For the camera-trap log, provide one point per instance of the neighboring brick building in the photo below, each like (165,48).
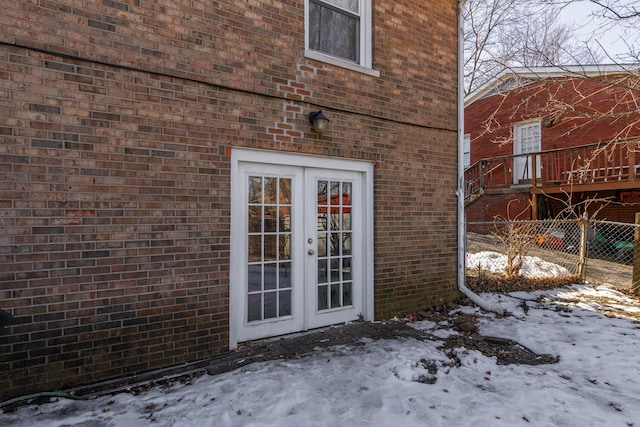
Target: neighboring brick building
(568,115)
(163,195)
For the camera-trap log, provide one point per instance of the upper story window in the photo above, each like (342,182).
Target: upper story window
(339,32)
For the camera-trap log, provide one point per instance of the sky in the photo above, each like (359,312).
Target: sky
(594,331)
(613,38)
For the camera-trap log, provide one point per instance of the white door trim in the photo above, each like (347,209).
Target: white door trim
(240,155)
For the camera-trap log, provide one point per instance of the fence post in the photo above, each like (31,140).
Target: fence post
(635,280)
(582,260)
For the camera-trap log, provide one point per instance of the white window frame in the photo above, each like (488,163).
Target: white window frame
(366,48)
(518,129)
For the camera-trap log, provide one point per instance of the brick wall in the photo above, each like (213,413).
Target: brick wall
(508,206)
(115,126)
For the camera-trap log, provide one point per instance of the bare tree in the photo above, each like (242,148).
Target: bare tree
(516,238)
(620,16)
(501,34)
(574,99)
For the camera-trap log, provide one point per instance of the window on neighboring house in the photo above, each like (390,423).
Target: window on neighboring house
(467,151)
(526,137)
(339,32)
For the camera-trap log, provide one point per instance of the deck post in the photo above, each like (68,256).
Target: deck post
(631,155)
(534,172)
(534,207)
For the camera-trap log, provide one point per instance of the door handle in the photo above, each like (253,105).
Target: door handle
(311,252)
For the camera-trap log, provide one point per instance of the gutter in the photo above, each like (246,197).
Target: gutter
(460,190)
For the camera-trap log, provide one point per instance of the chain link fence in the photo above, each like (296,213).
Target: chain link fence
(588,251)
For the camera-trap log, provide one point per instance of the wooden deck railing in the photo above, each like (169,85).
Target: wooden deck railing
(613,162)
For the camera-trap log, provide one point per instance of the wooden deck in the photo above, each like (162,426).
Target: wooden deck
(595,167)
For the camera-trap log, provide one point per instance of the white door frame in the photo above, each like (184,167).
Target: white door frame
(241,155)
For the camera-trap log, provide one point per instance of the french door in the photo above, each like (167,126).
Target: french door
(299,248)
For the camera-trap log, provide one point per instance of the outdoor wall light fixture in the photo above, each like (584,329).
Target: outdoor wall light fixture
(319,121)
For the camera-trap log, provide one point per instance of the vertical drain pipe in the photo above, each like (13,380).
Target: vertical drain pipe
(460,191)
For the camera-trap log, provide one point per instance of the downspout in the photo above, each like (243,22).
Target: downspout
(460,191)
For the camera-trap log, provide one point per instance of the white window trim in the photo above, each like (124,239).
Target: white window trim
(366,48)
(525,124)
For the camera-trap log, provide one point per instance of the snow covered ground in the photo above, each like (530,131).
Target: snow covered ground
(531,267)
(594,330)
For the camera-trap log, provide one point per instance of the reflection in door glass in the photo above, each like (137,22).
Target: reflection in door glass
(285,303)
(270,272)
(334,289)
(323,303)
(346,293)
(269,287)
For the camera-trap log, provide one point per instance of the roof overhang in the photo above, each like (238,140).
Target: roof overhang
(541,73)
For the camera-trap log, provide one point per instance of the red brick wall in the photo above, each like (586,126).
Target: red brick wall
(115,125)
(576,106)
(499,207)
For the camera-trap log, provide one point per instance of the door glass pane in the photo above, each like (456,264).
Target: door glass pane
(270,190)
(322,244)
(322,271)
(335,270)
(334,244)
(322,218)
(254,305)
(346,220)
(284,277)
(255,248)
(255,219)
(270,305)
(270,247)
(270,276)
(323,298)
(285,191)
(284,247)
(284,303)
(347,298)
(335,295)
(255,189)
(269,287)
(270,219)
(255,277)
(346,268)
(346,243)
(322,193)
(346,193)
(284,219)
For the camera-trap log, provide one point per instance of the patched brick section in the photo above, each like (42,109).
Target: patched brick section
(288,130)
